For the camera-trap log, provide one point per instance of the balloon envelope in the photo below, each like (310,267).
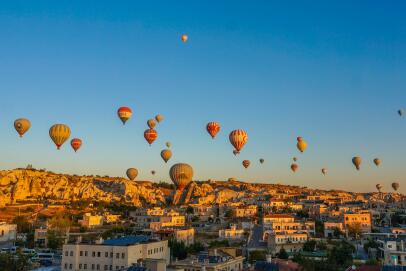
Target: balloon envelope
(166,155)
(184,38)
(168,144)
(59,133)
(159,118)
(261,160)
(294,167)
(238,138)
(395,186)
(76,143)
(151,123)
(132,173)
(22,126)
(246,163)
(377,161)
(357,162)
(150,135)
(213,128)
(124,113)
(181,175)
(301,144)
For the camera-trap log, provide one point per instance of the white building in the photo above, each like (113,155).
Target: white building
(112,254)
(231,233)
(8,233)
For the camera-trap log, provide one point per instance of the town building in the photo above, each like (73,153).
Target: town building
(232,233)
(361,220)
(113,254)
(8,234)
(91,221)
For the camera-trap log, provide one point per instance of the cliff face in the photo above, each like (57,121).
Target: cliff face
(26,185)
(21,185)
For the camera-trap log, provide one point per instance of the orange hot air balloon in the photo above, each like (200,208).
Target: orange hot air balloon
(213,128)
(301,144)
(59,133)
(166,155)
(377,162)
(150,135)
(76,143)
(151,123)
(238,138)
(357,162)
(294,167)
(124,113)
(181,175)
(246,163)
(184,38)
(22,126)
(159,118)
(132,173)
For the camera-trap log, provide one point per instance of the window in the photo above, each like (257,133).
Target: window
(85,266)
(86,253)
(71,253)
(93,254)
(106,267)
(66,266)
(80,266)
(93,266)
(98,254)
(111,267)
(81,253)
(111,254)
(70,266)
(122,255)
(98,267)
(117,255)
(106,254)
(66,253)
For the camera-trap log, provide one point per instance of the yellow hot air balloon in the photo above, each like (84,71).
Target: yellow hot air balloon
(166,155)
(151,123)
(132,173)
(59,133)
(159,118)
(181,174)
(184,38)
(301,144)
(357,162)
(377,162)
(22,126)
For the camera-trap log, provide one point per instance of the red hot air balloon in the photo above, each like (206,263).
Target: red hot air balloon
(213,128)
(150,135)
(76,143)
(124,113)
(238,138)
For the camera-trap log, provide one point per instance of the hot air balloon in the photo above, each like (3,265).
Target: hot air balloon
(166,155)
(153,172)
(213,128)
(377,161)
(150,135)
(168,144)
(294,167)
(181,175)
(159,118)
(124,113)
(261,160)
(246,163)
(357,162)
(59,133)
(22,126)
(184,38)
(301,144)
(132,173)
(400,112)
(151,123)
(294,159)
(395,186)
(76,143)
(324,171)
(238,138)
(379,187)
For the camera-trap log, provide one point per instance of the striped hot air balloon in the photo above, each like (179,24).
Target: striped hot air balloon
(59,133)
(238,138)
(124,113)
(22,126)
(213,128)
(76,143)
(181,175)
(150,136)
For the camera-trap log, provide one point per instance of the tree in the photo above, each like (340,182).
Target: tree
(302,214)
(178,249)
(23,226)
(189,210)
(355,229)
(309,246)
(319,228)
(257,255)
(229,214)
(283,254)
(14,262)
(370,244)
(55,240)
(195,248)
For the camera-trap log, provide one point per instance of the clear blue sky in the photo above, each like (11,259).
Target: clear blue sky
(332,72)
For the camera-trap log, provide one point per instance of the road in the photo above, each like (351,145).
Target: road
(255,239)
